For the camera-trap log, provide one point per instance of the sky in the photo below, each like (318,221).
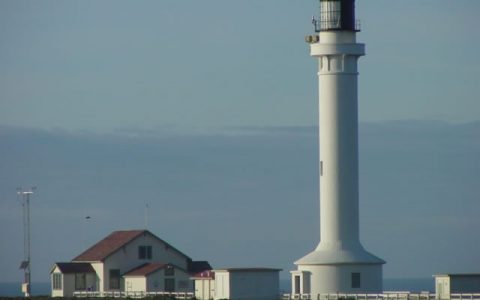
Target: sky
(206,111)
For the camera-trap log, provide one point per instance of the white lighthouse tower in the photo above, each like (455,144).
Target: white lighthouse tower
(339,264)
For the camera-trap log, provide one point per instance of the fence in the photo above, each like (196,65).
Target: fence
(384,296)
(131,294)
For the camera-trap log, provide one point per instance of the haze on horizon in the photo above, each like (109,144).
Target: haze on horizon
(207,109)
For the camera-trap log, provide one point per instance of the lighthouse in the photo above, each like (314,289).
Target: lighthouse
(339,264)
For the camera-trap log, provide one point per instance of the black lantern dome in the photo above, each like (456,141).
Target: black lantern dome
(336,15)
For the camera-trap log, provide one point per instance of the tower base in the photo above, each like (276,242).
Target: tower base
(337,278)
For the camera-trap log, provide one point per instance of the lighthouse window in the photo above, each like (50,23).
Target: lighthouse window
(355,280)
(330,14)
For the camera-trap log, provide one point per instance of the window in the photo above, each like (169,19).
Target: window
(169,285)
(80,281)
(114,279)
(355,280)
(57,281)
(144,252)
(297,284)
(169,271)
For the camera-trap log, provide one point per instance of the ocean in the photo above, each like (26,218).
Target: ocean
(13,289)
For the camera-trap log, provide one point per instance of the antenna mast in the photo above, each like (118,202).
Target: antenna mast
(146,215)
(26,263)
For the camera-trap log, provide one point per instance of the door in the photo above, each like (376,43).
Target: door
(169,285)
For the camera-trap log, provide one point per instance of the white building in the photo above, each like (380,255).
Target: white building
(447,284)
(247,284)
(204,283)
(70,277)
(117,263)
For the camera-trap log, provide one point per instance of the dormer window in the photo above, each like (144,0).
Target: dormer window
(144,252)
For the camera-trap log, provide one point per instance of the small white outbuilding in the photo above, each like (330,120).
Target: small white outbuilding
(447,284)
(247,284)
(204,284)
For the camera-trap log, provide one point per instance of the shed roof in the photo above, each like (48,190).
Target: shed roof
(113,242)
(74,267)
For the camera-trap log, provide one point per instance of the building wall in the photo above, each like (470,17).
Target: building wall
(68,283)
(222,285)
(126,258)
(442,287)
(183,283)
(338,278)
(254,285)
(155,282)
(204,289)
(99,278)
(303,282)
(465,284)
(135,284)
(247,285)
(56,293)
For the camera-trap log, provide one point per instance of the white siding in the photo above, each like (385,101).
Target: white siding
(222,285)
(99,278)
(442,287)
(56,293)
(135,284)
(338,278)
(204,289)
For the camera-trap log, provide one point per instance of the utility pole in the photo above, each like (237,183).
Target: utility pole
(26,263)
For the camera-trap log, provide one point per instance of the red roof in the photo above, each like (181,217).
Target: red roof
(108,245)
(145,269)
